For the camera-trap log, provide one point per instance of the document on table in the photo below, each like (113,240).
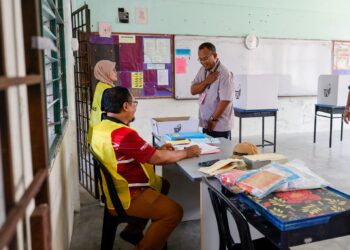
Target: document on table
(222,166)
(205,148)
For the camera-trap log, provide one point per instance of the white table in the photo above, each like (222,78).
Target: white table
(192,194)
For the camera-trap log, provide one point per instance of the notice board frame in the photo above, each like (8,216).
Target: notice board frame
(129,58)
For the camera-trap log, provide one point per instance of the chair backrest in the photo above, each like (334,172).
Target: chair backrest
(117,204)
(221,205)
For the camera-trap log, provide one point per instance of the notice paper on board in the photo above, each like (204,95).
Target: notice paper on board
(104,29)
(156,50)
(180,65)
(137,80)
(127,39)
(163,77)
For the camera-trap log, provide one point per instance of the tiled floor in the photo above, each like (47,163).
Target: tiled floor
(332,164)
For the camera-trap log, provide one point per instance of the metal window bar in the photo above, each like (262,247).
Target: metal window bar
(55,65)
(54,80)
(59,19)
(63,59)
(51,104)
(48,33)
(81,31)
(55,74)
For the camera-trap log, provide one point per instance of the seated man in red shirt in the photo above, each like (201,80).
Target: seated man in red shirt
(129,159)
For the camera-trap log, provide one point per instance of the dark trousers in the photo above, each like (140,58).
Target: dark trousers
(225,134)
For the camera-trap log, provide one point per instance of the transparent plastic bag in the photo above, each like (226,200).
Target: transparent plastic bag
(228,179)
(307,180)
(265,180)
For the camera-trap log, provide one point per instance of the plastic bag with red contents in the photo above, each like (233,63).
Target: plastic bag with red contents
(228,179)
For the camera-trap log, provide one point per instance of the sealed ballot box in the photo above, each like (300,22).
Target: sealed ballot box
(256,92)
(169,125)
(333,89)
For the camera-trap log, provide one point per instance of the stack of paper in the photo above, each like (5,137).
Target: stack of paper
(205,148)
(208,149)
(222,166)
(179,142)
(209,140)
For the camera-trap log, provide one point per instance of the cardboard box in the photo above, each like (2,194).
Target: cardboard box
(165,125)
(333,89)
(253,92)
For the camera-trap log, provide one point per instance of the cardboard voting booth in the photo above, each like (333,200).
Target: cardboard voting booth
(166,125)
(254,92)
(333,89)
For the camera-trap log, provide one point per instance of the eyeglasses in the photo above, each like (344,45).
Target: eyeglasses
(203,59)
(134,102)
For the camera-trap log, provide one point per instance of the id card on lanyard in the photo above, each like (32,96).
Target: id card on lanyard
(204,93)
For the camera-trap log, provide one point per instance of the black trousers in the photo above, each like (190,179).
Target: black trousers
(225,134)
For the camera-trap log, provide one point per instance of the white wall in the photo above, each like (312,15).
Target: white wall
(295,115)
(64,192)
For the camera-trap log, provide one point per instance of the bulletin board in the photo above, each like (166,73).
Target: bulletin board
(296,63)
(144,62)
(341,57)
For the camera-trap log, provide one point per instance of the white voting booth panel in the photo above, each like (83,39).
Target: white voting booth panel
(333,89)
(257,91)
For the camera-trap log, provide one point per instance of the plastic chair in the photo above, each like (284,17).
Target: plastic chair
(110,221)
(222,205)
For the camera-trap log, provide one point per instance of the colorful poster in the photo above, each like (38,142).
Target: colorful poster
(137,80)
(183,52)
(163,77)
(341,57)
(180,65)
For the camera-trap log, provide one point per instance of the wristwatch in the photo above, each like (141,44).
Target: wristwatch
(212,119)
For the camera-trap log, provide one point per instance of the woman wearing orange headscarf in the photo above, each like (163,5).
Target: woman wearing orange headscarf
(106,73)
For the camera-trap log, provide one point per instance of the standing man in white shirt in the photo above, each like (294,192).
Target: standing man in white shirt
(214,84)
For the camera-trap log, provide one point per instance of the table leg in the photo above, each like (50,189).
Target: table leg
(209,233)
(330,132)
(315,121)
(263,132)
(275,134)
(284,241)
(240,130)
(341,127)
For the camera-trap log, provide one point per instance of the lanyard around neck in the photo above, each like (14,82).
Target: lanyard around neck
(215,68)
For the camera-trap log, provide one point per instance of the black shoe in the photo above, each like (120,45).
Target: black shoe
(131,237)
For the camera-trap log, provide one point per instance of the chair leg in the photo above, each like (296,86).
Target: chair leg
(108,231)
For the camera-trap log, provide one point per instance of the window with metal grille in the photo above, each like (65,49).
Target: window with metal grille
(55,70)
